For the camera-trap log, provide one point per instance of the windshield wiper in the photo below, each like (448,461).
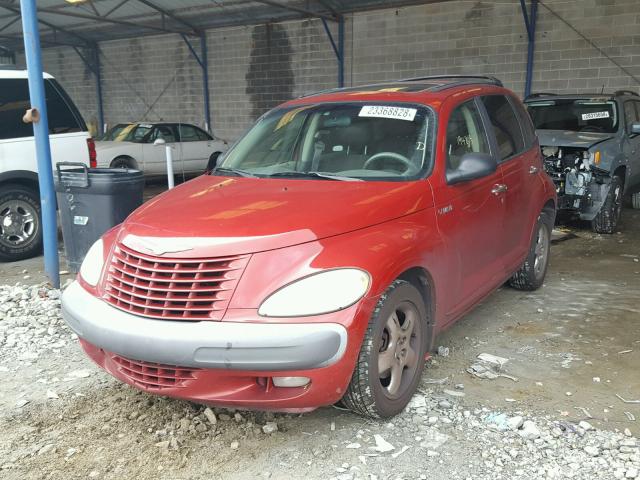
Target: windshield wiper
(240,173)
(325,175)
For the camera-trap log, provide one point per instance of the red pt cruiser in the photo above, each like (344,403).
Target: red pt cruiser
(319,260)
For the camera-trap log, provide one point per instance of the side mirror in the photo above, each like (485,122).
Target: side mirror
(159,141)
(635,128)
(472,166)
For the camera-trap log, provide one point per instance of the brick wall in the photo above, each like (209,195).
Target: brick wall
(253,68)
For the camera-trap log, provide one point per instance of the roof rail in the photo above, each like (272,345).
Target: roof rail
(538,95)
(619,93)
(462,79)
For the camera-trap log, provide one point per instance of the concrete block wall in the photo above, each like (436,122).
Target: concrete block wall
(256,67)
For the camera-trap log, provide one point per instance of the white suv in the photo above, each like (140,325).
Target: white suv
(20,225)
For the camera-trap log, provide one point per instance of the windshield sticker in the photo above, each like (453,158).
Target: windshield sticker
(381,111)
(594,115)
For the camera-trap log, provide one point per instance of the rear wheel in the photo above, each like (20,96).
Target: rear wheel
(392,354)
(531,274)
(122,162)
(20,224)
(606,221)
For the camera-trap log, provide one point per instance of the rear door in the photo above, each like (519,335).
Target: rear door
(197,146)
(470,214)
(517,167)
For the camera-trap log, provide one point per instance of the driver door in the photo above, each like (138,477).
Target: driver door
(155,157)
(470,214)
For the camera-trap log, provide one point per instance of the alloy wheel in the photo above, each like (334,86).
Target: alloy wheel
(18,223)
(541,251)
(399,346)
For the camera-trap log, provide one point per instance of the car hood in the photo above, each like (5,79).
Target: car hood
(564,138)
(212,215)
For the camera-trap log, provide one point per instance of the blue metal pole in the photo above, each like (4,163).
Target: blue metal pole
(41,133)
(341,51)
(531,30)
(98,75)
(204,63)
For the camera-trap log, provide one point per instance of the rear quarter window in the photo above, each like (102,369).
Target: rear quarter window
(505,125)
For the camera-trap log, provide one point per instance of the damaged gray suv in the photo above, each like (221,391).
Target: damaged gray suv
(591,150)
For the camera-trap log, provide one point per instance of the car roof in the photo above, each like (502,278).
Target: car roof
(13,73)
(605,97)
(417,90)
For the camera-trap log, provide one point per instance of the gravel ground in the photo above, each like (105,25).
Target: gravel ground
(571,347)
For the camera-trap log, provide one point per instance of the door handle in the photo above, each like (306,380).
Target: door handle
(533,169)
(499,188)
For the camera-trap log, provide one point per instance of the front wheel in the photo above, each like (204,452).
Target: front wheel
(20,225)
(392,354)
(606,221)
(530,275)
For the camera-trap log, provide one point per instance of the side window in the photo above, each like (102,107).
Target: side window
(14,100)
(204,136)
(528,130)
(630,113)
(164,132)
(465,134)
(505,125)
(61,117)
(188,134)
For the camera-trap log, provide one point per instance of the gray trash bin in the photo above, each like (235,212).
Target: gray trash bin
(91,201)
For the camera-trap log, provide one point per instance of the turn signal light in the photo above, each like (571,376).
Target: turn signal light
(596,158)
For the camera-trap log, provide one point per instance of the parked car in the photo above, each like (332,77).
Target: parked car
(136,146)
(320,259)
(20,223)
(591,149)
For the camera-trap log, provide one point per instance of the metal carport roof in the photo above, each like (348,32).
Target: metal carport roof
(85,23)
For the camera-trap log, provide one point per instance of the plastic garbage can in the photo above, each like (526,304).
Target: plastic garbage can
(91,201)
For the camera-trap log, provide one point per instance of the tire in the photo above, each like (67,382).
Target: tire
(606,221)
(635,201)
(211,164)
(530,276)
(381,396)
(121,162)
(20,223)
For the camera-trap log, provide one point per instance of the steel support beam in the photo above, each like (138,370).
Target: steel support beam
(203,61)
(41,132)
(169,14)
(338,48)
(530,22)
(303,11)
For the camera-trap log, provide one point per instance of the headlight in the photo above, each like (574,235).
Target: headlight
(92,264)
(323,292)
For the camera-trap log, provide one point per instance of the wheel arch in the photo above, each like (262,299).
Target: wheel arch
(133,163)
(422,280)
(25,178)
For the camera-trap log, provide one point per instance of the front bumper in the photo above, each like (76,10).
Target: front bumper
(204,344)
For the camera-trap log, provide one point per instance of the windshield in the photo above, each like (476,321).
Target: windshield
(575,115)
(337,141)
(113,132)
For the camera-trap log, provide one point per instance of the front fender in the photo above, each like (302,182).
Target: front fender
(385,251)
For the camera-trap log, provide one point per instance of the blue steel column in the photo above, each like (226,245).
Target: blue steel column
(531,23)
(41,133)
(98,75)
(341,51)
(204,63)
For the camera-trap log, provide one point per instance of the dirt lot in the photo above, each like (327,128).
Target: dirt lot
(572,347)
